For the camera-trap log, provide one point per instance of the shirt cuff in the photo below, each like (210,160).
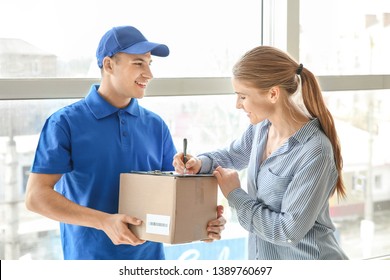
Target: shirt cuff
(206,167)
(237,197)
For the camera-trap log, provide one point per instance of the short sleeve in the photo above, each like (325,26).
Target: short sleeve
(53,154)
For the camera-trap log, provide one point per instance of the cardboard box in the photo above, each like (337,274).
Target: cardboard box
(174,208)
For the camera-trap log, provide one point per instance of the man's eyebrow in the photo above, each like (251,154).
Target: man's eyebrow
(140,59)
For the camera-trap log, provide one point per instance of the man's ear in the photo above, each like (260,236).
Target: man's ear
(107,64)
(274,94)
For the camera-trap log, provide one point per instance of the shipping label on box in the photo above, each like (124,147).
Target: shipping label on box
(158,224)
(174,208)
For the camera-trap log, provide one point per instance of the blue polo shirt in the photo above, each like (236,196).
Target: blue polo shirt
(91,142)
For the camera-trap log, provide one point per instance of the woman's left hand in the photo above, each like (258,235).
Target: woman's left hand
(228,180)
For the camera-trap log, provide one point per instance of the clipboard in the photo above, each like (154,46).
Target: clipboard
(170,173)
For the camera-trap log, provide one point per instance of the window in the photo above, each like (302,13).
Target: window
(334,40)
(362,128)
(60,39)
(50,63)
(337,45)
(24,235)
(378,182)
(207,121)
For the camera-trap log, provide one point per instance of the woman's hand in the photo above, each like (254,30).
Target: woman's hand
(192,165)
(228,180)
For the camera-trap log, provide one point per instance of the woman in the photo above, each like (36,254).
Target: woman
(292,153)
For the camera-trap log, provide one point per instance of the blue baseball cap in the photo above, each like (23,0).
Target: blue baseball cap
(127,39)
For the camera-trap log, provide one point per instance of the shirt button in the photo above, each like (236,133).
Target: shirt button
(124,134)
(289,241)
(122,122)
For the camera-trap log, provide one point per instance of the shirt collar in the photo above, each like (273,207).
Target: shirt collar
(100,108)
(306,131)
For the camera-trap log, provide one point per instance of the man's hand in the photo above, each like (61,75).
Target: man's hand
(215,227)
(116,228)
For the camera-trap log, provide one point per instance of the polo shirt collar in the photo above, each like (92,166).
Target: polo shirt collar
(100,108)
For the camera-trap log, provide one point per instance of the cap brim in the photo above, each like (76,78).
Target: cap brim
(145,47)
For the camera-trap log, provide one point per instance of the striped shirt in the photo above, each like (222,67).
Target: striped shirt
(286,208)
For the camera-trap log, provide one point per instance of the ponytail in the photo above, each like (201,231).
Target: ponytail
(315,105)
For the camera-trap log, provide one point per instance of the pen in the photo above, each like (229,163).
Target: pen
(185,151)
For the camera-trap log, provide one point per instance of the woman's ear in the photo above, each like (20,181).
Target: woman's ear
(274,94)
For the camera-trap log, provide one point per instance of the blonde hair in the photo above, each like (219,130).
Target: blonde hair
(265,67)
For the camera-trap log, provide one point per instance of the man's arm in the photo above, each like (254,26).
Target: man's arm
(43,199)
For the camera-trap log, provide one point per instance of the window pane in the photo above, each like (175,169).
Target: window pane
(345,37)
(60,39)
(23,234)
(363,219)
(208,122)
(363,124)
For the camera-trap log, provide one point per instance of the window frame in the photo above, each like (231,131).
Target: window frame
(64,88)
(276,15)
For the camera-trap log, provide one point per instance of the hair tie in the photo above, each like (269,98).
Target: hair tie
(299,70)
